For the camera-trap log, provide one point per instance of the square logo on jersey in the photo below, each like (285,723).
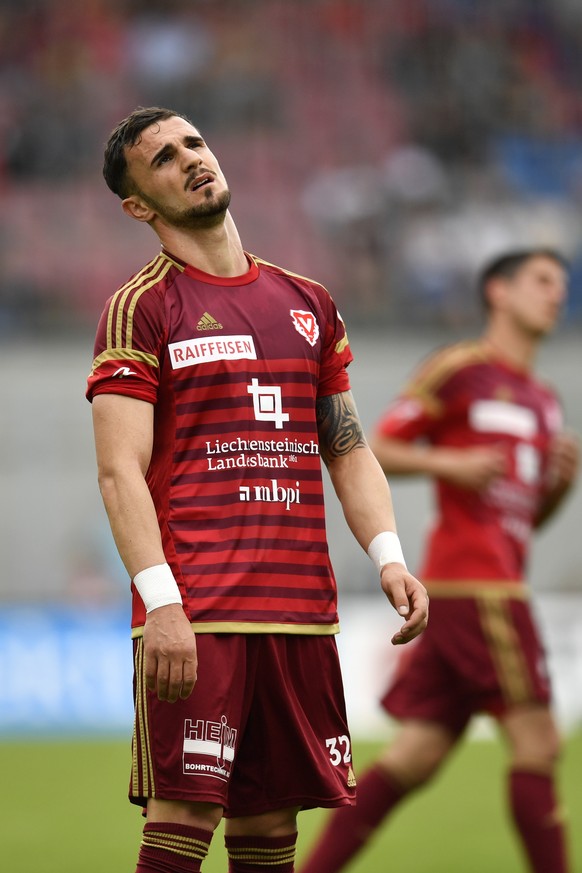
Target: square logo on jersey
(306,324)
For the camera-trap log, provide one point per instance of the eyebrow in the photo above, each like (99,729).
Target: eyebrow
(168,148)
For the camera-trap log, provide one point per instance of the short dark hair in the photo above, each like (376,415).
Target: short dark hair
(128,133)
(507,265)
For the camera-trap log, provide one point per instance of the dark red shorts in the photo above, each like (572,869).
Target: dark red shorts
(478,654)
(265,728)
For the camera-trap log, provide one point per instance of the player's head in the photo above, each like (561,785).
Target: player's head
(508,265)
(157,162)
(527,285)
(125,135)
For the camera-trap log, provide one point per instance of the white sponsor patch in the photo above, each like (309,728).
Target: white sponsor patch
(498,416)
(202,350)
(406,409)
(208,747)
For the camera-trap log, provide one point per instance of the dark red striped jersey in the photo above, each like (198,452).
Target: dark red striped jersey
(233,367)
(464,396)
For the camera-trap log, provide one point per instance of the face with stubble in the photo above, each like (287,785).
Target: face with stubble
(176,179)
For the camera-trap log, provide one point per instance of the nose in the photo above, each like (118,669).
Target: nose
(189,158)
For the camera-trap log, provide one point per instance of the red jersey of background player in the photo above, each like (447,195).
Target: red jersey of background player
(464,396)
(234,367)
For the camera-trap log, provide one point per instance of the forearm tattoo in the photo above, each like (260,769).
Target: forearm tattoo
(338,426)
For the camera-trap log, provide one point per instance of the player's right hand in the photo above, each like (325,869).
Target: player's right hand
(473,468)
(563,460)
(171,659)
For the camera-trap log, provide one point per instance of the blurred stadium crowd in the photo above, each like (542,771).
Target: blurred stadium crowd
(385,147)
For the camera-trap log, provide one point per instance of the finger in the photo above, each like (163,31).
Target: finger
(409,631)
(162,679)
(396,593)
(151,672)
(175,681)
(418,618)
(189,677)
(415,625)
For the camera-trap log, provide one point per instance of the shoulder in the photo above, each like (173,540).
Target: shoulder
(150,280)
(297,278)
(135,312)
(441,365)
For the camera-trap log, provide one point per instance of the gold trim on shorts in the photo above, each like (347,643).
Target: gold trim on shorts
(254,627)
(505,649)
(142,770)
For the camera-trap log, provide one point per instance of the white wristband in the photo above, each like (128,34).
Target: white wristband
(157,587)
(385,549)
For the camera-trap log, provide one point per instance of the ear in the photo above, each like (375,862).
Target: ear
(137,208)
(496,291)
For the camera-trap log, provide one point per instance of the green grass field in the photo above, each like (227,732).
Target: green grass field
(63,810)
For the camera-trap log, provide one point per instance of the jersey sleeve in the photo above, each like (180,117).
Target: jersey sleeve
(417,410)
(336,353)
(128,346)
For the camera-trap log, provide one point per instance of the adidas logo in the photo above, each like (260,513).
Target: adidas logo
(351,778)
(207,322)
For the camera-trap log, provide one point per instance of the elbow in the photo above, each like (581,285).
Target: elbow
(106,482)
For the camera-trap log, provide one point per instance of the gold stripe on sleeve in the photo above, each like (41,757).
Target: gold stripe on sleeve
(117,315)
(146,273)
(342,344)
(134,302)
(116,354)
(131,308)
(443,364)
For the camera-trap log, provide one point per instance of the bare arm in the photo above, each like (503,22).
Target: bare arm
(123,428)
(367,504)
(472,468)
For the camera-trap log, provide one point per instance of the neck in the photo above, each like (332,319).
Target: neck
(517,348)
(216,250)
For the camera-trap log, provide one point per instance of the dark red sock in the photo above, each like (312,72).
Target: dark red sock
(258,854)
(539,821)
(350,827)
(172,848)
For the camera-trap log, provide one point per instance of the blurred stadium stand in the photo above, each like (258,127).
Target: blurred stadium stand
(384,147)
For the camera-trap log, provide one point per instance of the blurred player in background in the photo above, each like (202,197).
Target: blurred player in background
(219,383)
(475,418)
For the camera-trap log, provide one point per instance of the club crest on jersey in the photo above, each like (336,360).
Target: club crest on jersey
(306,324)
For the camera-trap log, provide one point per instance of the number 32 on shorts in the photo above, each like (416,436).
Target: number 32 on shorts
(339,750)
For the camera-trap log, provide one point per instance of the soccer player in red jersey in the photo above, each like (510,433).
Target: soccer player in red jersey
(219,384)
(476,420)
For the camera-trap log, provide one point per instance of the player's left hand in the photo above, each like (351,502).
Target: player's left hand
(409,598)
(564,460)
